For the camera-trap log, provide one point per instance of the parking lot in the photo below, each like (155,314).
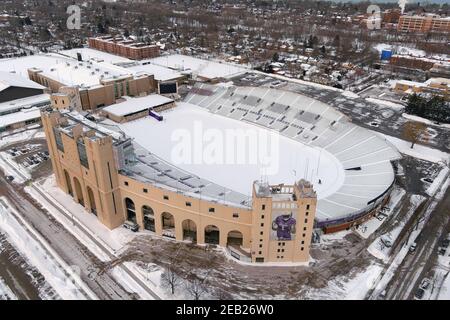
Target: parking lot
(32,155)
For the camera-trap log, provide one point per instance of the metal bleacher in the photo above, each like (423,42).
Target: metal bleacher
(365,156)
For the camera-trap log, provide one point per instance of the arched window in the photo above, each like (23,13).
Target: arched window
(235,238)
(130,210)
(69,185)
(189,230)
(212,234)
(78,190)
(91,199)
(149,218)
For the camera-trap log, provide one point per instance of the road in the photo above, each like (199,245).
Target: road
(66,245)
(416,266)
(93,269)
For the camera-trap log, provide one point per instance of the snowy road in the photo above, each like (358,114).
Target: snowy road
(416,266)
(67,246)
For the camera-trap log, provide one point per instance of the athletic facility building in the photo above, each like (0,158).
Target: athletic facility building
(180,176)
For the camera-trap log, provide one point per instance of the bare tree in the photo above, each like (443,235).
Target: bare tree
(196,288)
(414,132)
(170,278)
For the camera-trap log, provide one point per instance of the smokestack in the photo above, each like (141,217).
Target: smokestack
(402,4)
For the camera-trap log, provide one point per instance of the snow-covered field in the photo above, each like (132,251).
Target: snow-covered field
(199,142)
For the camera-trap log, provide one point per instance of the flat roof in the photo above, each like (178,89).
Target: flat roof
(92,54)
(83,74)
(133,105)
(20,116)
(160,73)
(203,68)
(25,102)
(21,65)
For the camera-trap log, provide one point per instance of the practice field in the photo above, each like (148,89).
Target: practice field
(223,150)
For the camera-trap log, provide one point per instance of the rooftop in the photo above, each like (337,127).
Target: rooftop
(133,105)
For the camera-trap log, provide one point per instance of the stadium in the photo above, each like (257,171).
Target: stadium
(352,164)
(170,167)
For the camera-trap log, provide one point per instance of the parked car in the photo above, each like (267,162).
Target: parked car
(413,247)
(386,242)
(442,251)
(130,225)
(425,283)
(10,178)
(419,293)
(445,243)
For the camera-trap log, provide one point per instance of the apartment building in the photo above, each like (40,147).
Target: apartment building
(125,48)
(423,23)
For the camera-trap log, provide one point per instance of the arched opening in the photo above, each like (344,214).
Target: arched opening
(69,185)
(131,210)
(91,199)
(149,218)
(168,224)
(212,234)
(189,230)
(78,191)
(235,238)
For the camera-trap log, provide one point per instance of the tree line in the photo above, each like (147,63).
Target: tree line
(434,108)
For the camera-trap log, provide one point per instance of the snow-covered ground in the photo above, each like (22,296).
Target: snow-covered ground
(115,241)
(423,120)
(62,277)
(385,103)
(419,151)
(377,248)
(5,292)
(438,181)
(350,287)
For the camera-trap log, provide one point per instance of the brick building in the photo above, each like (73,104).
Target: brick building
(125,48)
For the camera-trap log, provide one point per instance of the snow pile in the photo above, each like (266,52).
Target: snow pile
(438,181)
(385,103)
(350,94)
(370,226)
(5,292)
